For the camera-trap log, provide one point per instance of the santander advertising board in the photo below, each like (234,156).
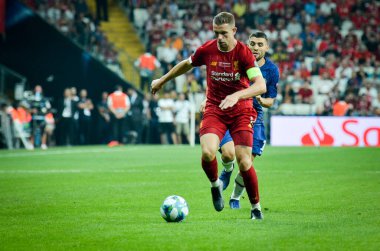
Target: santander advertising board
(325,131)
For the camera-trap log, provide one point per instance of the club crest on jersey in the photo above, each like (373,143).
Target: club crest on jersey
(214,63)
(236,65)
(237,76)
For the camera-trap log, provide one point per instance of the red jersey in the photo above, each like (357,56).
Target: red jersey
(226,71)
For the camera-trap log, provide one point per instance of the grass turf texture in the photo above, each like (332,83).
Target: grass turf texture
(99,198)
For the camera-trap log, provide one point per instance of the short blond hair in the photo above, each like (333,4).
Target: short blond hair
(224,18)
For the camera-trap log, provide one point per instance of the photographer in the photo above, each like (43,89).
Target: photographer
(40,107)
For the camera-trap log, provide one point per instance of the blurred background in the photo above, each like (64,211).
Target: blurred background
(77,72)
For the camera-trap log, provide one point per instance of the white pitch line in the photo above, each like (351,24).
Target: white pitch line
(74,150)
(75,171)
(59,152)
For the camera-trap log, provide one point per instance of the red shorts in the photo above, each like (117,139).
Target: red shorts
(240,124)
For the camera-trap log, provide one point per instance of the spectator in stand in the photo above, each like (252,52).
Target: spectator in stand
(167,56)
(239,8)
(85,107)
(294,28)
(324,84)
(192,85)
(180,81)
(308,47)
(327,7)
(193,40)
(205,34)
(304,71)
(329,69)
(316,65)
(174,40)
(305,94)
(296,81)
(364,107)
(369,89)
(343,74)
(370,40)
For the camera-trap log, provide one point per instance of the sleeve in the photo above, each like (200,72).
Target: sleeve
(272,83)
(247,59)
(197,59)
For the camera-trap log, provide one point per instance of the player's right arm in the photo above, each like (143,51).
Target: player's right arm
(179,69)
(258,88)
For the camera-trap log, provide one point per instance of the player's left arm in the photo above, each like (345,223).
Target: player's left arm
(271,93)
(265,102)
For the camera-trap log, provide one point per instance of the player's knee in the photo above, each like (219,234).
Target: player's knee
(228,156)
(244,163)
(208,154)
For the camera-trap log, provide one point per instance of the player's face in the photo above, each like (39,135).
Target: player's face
(225,35)
(258,46)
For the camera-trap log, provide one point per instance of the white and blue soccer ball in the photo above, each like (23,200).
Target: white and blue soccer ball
(174,209)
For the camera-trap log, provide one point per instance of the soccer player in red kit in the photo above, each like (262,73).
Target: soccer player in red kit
(230,66)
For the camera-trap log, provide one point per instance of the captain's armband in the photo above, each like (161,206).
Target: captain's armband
(253,72)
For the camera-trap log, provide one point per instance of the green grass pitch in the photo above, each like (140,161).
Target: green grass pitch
(99,198)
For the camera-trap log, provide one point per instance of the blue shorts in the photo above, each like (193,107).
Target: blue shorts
(259,139)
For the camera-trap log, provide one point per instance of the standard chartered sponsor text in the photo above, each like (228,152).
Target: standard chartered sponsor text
(222,76)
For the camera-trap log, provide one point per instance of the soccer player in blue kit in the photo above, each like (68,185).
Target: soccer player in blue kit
(258,43)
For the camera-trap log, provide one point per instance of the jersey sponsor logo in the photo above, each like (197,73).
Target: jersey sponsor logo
(222,76)
(237,76)
(224,64)
(318,137)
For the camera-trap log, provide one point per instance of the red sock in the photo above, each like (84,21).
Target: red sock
(211,169)
(251,185)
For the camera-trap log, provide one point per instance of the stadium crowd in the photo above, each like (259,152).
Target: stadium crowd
(328,52)
(73,19)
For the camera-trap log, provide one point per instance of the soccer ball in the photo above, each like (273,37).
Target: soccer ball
(174,209)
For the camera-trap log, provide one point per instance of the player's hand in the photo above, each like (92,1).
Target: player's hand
(202,107)
(259,99)
(156,86)
(228,102)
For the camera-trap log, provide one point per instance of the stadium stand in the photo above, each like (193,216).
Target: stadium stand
(312,36)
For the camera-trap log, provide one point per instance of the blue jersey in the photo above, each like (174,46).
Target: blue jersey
(271,75)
